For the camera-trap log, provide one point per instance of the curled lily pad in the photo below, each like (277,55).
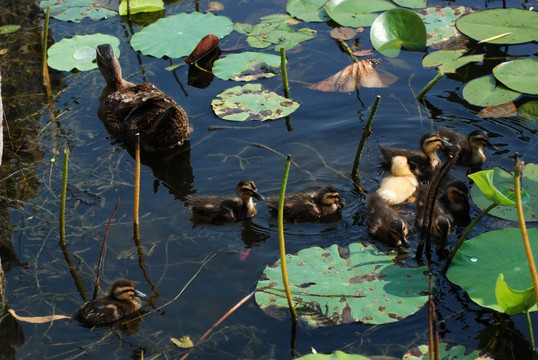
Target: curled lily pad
(140,6)
(519,75)
(76,10)
(450,60)
(356,13)
(177,35)
(342,285)
(78,52)
(513,301)
(307,10)
(246,66)
(446,351)
(250,102)
(484,91)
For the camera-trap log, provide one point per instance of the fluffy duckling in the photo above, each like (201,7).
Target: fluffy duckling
(472,146)
(423,161)
(441,222)
(400,186)
(218,209)
(127,109)
(322,205)
(384,222)
(455,200)
(122,300)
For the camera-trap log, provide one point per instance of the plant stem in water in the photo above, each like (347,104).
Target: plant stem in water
(429,85)
(348,49)
(136,202)
(284,72)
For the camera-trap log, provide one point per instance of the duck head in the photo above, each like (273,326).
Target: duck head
(429,143)
(398,233)
(329,197)
(246,189)
(109,65)
(479,139)
(124,290)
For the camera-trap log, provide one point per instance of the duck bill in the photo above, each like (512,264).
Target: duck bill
(490,145)
(258,196)
(404,242)
(140,294)
(445,143)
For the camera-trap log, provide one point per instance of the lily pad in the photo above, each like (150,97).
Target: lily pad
(250,102)
(356,13)
(337,355)
(450,60)
(307,10)
(503,179)
(246,66)
(440,24)
(140,6)
(342,285)
(78,52)
(519,75)
(397,28)
(485,257)
(76,10)
(500,26)
(412,4)
(484,91)
(177,35)
(513,301)
(529,110)
(446,351)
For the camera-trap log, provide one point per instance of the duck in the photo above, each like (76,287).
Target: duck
(222,209)
(384,223)
(322,205)
(455,201)
(441,222)
(127,109)
(471,147)
(122,300)
(424,162)
(400,186)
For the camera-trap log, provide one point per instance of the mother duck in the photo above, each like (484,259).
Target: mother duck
(127,109)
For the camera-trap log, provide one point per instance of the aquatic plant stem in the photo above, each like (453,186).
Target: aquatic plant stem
(45,72)
(365,133)
(529,323)
(284,72)
(464,236)
(280,219)
(64,193)
(136,202)
(348,49)
(429,85)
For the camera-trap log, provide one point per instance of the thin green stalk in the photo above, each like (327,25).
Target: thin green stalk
(529,323)
(136,202)
(464,236)
(64,194)
(365,133)
(280,219)
(348,49)
(284,72)
(429,85)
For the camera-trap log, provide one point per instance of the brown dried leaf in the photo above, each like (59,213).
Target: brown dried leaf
(358,74)
(204,47)
(37,319)
(343,33)
(498,111)
(363,52)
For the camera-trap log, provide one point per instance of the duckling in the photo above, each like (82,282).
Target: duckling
(472,146)
(218,209)
(122,300)
(127,109)
(441,222)
(455,200)
(322,205)
(424,161)
(384,222)
(400,186)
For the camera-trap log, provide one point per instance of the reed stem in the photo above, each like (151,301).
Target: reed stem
(63,194)
(348,49)
(365,133)
(136,202)
(284,72)
(45,72)
(429,85)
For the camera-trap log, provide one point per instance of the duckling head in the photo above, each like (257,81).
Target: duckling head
(246,189)
(329,197)
(458,196)
(400,166)
(442,228)
(429,143)
(398,233)
(124,290)
(479,139)
(109,65)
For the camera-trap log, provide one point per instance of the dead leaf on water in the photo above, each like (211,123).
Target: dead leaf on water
(344,33)
(37,319)
(361,73)
(184,343)
(498,111)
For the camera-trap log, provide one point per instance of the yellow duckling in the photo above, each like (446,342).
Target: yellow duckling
(219,209)
(122,300)
(322,205)
(127,109)
(384,222)
(472,146)
(400,186)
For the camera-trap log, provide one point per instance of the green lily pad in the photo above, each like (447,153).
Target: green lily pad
(78,52)
(412,4)
(440,23)
(338,285)
(140,6)
(446,351)
(529,110)
(500,26)
(397,28)
(502,180)
(519,75)
(6,29)
(450,60)
(246,66)
(356,13)
(250,102)
(76,10)
(484,91)
(513,301)
(337,355)
(177,35)
(480,260)
(307,10)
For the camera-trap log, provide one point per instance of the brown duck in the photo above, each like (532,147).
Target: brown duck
(127,109)
(471,147)
(384,222)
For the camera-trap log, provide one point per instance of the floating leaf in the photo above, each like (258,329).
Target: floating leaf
(356,13)
(397,28)
(78,52)
(449,60)
(502,180)
(6,29)
(76,10)
(184,343)
(307,10)
(516,25)
(519,75)
(140,6)
(204,47)
(446,351)
(485,257)
(250,102)
(498,111)
(529,110)
(412,4)
(246,66)
(37,319)
(342,285)
(343,33)
(177,35)
(484,91)
(337,355)
(361,73)
(513,301)
(440,25)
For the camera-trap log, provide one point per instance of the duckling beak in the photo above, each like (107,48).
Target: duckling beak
(257,195)
(140,294)
(489,145)
(404,241)
(445,143)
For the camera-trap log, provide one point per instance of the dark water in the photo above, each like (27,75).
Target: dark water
(321,136)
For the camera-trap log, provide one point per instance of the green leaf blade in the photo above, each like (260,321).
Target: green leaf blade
(513,301)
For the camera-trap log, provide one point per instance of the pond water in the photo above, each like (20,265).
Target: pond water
(201,271)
